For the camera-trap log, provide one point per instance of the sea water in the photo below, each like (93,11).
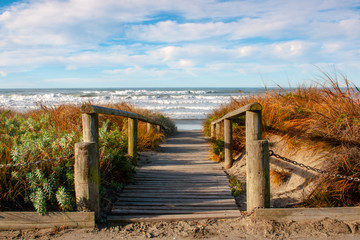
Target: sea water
(188,107)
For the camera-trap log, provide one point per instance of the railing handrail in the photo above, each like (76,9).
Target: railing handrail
(257,153)
(89,109)
(86,169)
(239,112)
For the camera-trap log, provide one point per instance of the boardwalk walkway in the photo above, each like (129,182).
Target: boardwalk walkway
(178,183)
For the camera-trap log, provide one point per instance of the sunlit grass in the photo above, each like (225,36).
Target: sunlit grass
(325,116)
(51,132)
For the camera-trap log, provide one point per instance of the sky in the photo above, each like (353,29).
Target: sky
(172,43)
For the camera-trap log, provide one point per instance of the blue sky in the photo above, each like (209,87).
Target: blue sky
(172,43)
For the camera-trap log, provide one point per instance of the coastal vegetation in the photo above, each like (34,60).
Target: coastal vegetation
(51,132)
(324,116)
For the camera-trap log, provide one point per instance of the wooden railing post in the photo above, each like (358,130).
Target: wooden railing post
(86,168)
(87,177)
(218,130)
(148,127)
(212,131)
(257,163)
(90,124)
(132,139)
(257,175)
(228,142)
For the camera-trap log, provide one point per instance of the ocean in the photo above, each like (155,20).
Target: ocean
(188,107)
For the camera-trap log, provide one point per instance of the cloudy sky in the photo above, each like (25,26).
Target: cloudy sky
(172,43)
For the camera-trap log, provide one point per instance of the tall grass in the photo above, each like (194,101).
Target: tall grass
(52,132)
(324,116)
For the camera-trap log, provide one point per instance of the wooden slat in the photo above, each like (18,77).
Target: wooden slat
(179,207)
(165,211)
(171,204)
(186,187)
(176,196)
(142,218)
(32,220)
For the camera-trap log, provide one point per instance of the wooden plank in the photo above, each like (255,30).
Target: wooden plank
(176,217)
(190,184)
(171,201)
(179,181)
(182,175)
(179,207)
(309,214)
(165,211)
(32,220)
(177,191)
(171,196)
(172,204)
(176,187)
(221,180)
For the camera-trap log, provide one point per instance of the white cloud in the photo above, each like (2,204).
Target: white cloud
(291,48)
(185,63)
(3,74)
(205,35)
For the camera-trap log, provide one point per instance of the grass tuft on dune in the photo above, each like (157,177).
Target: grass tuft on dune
(324,116)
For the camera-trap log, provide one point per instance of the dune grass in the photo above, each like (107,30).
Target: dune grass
(52,132)
(324,116)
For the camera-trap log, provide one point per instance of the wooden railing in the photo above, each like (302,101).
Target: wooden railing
(257,153)
(86,169)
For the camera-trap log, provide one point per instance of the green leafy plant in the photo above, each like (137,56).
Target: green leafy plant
(236,186)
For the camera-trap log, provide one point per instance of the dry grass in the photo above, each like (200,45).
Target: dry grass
(323,116)
(65,120)
(279,177)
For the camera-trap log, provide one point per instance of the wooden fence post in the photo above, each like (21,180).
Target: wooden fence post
(253,124)
(87,177)
(218,130)
(132,139)
(257,163)
(257,175)
(228,142)
(90,124)
(148,127)
(212,131)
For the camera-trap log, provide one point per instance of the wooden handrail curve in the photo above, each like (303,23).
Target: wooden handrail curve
(90,109)
(239,112)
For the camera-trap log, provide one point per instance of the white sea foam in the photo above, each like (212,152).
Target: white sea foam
(175,103)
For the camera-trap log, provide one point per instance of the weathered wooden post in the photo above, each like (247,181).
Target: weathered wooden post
(87,177)
(212,131)
(257,163)
(148,127)
(228,142)
(132,139)
(90,124)
(218,130)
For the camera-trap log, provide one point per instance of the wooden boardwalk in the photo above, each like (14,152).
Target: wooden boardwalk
(177,183)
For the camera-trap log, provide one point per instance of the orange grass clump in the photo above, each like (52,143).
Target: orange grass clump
(279,177)
(323,116)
